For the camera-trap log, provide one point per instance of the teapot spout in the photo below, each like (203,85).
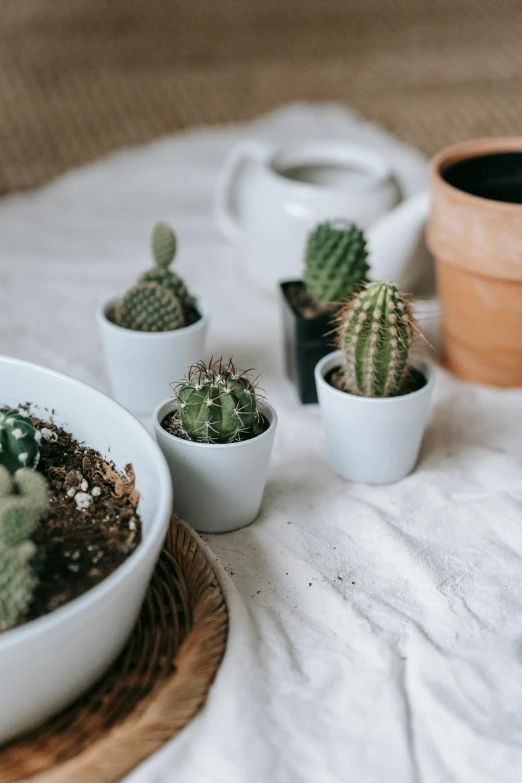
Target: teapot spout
(398,251)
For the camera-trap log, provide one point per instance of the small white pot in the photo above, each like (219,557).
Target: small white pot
(48,662)
(142,365)
(372,440)
(217,487)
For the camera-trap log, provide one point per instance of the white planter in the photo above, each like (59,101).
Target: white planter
(217,487)
(48,662)
(142,365)
(372,440)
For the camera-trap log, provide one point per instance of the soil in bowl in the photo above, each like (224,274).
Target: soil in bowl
(305,305)
(92,525)
(413,381)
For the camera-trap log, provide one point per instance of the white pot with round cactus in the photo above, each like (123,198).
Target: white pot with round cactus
(217,433)
(375,398)
(335,264)
(156,329)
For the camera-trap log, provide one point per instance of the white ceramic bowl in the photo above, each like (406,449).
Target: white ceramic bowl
(142,365)
(218,487)
(48,662)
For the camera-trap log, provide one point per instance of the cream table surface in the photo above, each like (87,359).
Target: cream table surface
(376,633)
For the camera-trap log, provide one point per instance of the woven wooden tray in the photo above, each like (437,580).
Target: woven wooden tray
(153,690)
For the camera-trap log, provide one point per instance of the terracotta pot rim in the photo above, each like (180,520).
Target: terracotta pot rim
(469,149)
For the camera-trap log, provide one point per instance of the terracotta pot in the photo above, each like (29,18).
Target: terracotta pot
(477,243)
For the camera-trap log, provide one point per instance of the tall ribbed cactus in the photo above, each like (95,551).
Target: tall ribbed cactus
(159,301)
(217,403)
(376,331)
(19,440)
(23,500)
(335,261)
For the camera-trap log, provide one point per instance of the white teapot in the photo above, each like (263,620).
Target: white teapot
(268,200)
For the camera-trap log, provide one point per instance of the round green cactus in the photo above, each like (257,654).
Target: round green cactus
(376,332)
(217,404)
(335,261)
(164,247)
(23,500)
(19,440)
(148,307)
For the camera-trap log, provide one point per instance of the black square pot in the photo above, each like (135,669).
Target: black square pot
(305,342)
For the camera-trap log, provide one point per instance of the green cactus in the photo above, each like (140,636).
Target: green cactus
(19,440)
(148,307)
(376,331)
(159,301)
(217,404)
(335,261)
(23,500)
(164,247)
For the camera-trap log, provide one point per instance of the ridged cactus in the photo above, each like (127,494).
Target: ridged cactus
(148,307)
(217,404)
(159,301)
(23,500)
(335,261)
(19,440)
(376,331)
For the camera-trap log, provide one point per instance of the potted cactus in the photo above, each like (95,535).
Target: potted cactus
(217,434)
(374,397)
(335,264)
(157,327)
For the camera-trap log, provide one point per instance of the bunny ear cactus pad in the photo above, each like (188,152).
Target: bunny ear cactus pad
(335,261)
(164,246)
(376,332)
(217,404)
(19,440)
(148,307)
(23,500)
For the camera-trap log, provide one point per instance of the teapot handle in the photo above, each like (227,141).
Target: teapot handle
(226,213)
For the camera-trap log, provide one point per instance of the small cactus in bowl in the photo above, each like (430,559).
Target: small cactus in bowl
(335,261)
(19,440)
(376,332)
(159,301)
(217,403)
(23,500)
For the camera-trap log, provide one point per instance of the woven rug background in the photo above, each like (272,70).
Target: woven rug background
(82,78)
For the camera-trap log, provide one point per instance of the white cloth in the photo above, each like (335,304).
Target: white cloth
(375,632)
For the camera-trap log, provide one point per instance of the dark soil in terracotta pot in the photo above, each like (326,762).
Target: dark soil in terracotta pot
(92,525)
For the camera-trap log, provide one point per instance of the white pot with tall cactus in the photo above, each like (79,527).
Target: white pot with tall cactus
(375,398)
(152,332)
(217,434)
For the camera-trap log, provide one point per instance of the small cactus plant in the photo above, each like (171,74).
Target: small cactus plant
(148,307)
(23,500)
(19,440)
(159,301)
(217,404)
(376,332)
(335,261)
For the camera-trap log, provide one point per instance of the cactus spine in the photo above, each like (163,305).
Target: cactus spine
(335,261)
(159,301)
(19,440)
(23,500)
(217,404)
(376,331)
